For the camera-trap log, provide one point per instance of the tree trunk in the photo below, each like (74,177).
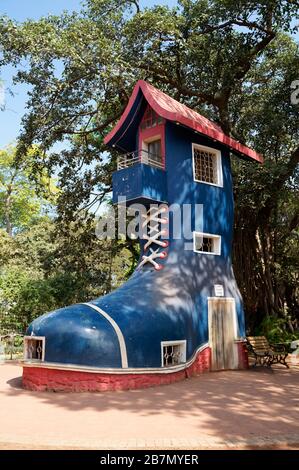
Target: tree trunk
(252,267)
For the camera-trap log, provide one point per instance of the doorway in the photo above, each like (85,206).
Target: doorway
(223,332)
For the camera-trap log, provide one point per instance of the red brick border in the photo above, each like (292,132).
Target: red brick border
(242,355)
(43,379)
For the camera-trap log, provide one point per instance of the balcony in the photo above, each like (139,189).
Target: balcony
(140,177)
(140,156)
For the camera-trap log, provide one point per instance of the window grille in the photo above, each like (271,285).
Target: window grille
(206,165)
(206,243)
(34,348)
(173,353)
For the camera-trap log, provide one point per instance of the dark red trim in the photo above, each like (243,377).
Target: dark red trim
(42,379)
(172,110)
(242,355)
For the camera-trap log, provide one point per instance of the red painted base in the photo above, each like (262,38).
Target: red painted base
(42,379)
(242,355)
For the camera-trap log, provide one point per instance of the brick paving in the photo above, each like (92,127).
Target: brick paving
(258,408)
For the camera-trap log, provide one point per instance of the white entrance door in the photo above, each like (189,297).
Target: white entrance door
(223,332)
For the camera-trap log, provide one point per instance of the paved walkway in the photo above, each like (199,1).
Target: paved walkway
(233,409)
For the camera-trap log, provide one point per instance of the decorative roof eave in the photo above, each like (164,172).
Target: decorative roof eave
(174,111)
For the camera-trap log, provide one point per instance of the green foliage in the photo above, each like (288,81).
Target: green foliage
(277,330)
(19,201)
(5,247)
(43,268)
(22,298)
(41,271)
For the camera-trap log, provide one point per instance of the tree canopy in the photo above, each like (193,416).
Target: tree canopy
(22,197)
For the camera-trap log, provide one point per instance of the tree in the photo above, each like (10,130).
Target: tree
(230,60)
(19,202)
(267,198)
(41,269)
(40,272)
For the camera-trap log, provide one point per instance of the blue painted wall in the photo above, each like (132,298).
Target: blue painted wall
(155,306)
(140,183)
(77,335)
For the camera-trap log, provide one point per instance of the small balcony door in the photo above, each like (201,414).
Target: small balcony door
(154,149)
(223,333)
(151,153)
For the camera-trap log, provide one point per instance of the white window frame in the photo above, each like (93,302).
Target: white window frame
(217,154)
(182,343)
(37,338)
(207,235)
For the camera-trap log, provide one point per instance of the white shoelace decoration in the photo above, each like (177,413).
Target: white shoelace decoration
(152,233)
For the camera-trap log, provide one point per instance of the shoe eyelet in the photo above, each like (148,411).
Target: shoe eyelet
(158,267)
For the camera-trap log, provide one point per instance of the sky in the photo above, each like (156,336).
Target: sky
(20,10)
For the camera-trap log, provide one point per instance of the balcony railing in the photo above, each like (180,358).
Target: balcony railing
(139,156)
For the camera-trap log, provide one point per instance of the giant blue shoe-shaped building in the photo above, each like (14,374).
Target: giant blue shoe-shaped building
(181,312)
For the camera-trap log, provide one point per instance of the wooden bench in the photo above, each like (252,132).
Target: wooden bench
(265,353)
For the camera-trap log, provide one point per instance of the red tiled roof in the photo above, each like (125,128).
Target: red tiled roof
(172,110)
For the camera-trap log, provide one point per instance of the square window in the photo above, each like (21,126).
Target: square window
(207,165)
(206,243)
(173,353)
(34,348)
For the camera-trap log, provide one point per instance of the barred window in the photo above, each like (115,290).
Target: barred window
(207,243)
(173,353)
(206,165)
(34,348)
